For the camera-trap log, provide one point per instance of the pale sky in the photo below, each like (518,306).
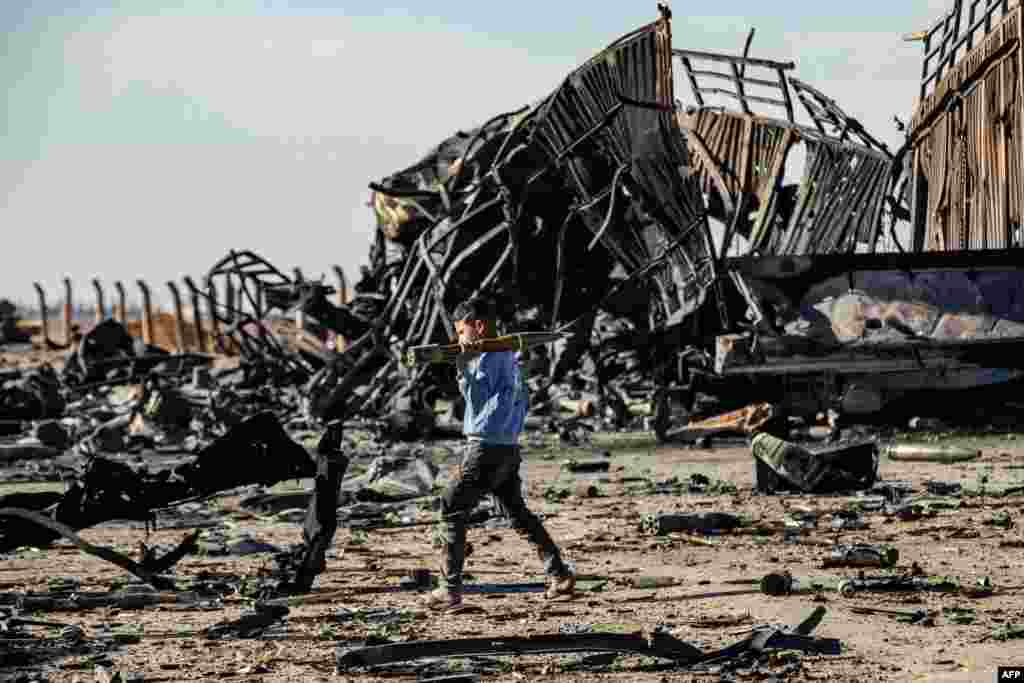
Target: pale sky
(146,138)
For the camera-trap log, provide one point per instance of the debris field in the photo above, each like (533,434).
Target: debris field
(773,412)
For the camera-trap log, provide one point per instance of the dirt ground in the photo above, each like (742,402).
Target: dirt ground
(600,536)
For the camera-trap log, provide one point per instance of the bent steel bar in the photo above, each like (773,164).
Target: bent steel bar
(107,554)
(44,315)
(101,309)
(215,343)
(197,313)
(68,305)
(121,312)
(342,293)
(179,322)
(147,312)
(659,645)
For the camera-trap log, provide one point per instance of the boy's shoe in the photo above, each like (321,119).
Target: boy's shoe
(561,585)
(442,600)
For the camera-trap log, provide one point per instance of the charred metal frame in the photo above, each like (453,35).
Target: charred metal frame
(742,156)
(602,154)
(944,41)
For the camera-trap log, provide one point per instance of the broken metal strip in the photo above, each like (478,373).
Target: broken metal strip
(741,94)
(746,61)
(394,306)
(158,565)
(432,324)
(688,67)
(659,645)
(711,168)
(422,311)
(472,249)
(827,168)
(818,231)
(865,205)
(884,190)
(454,225)
(491,276)
(743,99)
(437,285)
(768,197)
(179,322)
(734,78)
(613,193)
(43,315)
(785,242)
(845,192)
(107,554)
(453,181)
(835,115)
(784,86)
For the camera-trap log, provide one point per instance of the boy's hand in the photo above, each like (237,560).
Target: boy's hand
(467,351)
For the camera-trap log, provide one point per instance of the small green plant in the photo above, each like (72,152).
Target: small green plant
(556,494)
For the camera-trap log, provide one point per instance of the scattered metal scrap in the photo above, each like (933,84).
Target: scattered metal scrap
(689,276)
(657,644)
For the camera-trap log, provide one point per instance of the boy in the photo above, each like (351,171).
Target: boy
(496,404)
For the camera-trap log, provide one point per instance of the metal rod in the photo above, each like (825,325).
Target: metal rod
(230,302)
(67,311)
(342,293)
(730,77)
(749,61)
(179,323)
(211,301)
(147,312)
(741,98)
(44,315)
(121,313)
(197,314)
(101,309)
(300,316)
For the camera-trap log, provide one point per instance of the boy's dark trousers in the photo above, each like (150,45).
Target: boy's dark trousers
(491,469)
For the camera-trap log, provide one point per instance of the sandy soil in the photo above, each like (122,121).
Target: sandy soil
(599,535)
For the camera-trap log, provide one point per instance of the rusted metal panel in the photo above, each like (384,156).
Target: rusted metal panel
(966,140)
(951,39)
(743,420)
(838,203)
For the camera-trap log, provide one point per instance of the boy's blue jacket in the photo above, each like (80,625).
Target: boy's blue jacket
(496,398)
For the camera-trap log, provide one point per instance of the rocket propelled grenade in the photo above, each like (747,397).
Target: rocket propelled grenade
(447,353)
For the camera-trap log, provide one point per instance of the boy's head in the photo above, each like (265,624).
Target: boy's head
(475,319)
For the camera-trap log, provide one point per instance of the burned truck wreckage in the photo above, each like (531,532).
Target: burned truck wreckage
(679,247)
(699,259)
